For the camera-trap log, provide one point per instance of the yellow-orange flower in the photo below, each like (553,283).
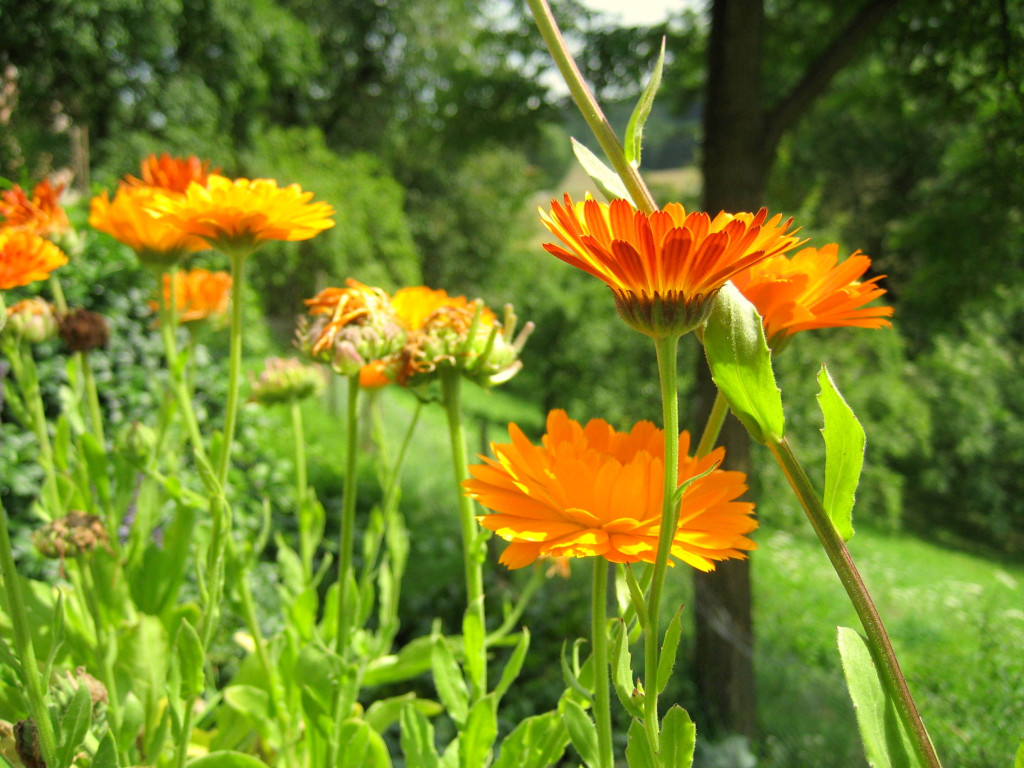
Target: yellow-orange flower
(593,491)
(415,305)
(198,294)
(40,214)
(811,290)
(172,173)
(26,257)
(239,215)
(129,218)
(664,268)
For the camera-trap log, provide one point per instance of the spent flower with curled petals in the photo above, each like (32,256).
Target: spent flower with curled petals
(664,268)
(592,491)
(25,257)
(350,328)
(129,218)
(286,381)
(238,215)
(32,320)
(76,533)
(199,294)
(173,174)
(40,214)
(812,290)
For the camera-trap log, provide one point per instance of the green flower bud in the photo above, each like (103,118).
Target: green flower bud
(286,381)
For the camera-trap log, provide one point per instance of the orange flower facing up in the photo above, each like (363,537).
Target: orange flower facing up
(239,215)
(172,173)
(352,327)
(664,268)
(592,491)
(41,214)
(26,257)
(811,290)
(199,294)
(130,220)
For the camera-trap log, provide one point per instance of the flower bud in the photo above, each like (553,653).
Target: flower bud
(74,534)
(286,381)
(32,320)
(138,441)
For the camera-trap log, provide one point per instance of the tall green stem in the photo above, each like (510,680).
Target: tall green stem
(23,645)
(842,562)
(168,324)
(451,397)
(348,516)
(666,348)
(588,106)
(93,398)
(301,483)
(234,364)
(599,633)
(27,375)
(713,427)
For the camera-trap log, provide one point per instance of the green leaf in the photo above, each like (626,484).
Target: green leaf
(226,759)
(248,700)
(635,128)
(513,665)
(106,753)
(448,680)
(1019,761)
(622,672)
(473,643)
(607,181)
(844,454)
(476,741)
(353,743)
(570,677)
(97,460)
(669,648)
(537,742)
(886,743)
(741,365)
(191,658)
(678,738)
(411,661)
(582,731)
(417,738)
(73,726)
(383,712)
(638,749)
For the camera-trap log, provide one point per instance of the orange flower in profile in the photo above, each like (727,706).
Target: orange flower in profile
(26,257)
(130,220)
(41,214)
(811,290)
(592,491)
(172,173)
(240,215)
(199,294)
(664,268)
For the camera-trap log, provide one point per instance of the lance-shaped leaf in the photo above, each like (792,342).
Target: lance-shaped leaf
(844,454)
(741,365)
(605,178)
(635,128)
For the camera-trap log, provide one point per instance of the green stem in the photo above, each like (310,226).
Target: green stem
(27,376)
(599,632)
(713,427)
(301,483)
(92,397)
(666,349)
(235,365)
(842,562)
(348,517)
(451,397)
(588,106)
(23,645)
(105,644)
(509,623)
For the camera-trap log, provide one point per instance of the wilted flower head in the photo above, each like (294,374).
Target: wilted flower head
(26,257)
(286,381)
(172,173)
(351,327)
(130,220)
(199,294)
(812,290)
(240,215)
(40,214)
(32,320)
(452,332)
(664,268)
(83,331)
(76,533)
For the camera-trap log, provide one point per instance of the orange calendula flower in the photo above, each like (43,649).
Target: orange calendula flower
(241,214)
(812,290)
(374,375)
(172,173)
(26,257)
(664,268)
(199,294)
(129,218)
(415,305)
(592,491)
(40,214)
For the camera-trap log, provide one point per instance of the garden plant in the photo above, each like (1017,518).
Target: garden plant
(119,655)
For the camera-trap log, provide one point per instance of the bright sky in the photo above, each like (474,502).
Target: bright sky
(638,12)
